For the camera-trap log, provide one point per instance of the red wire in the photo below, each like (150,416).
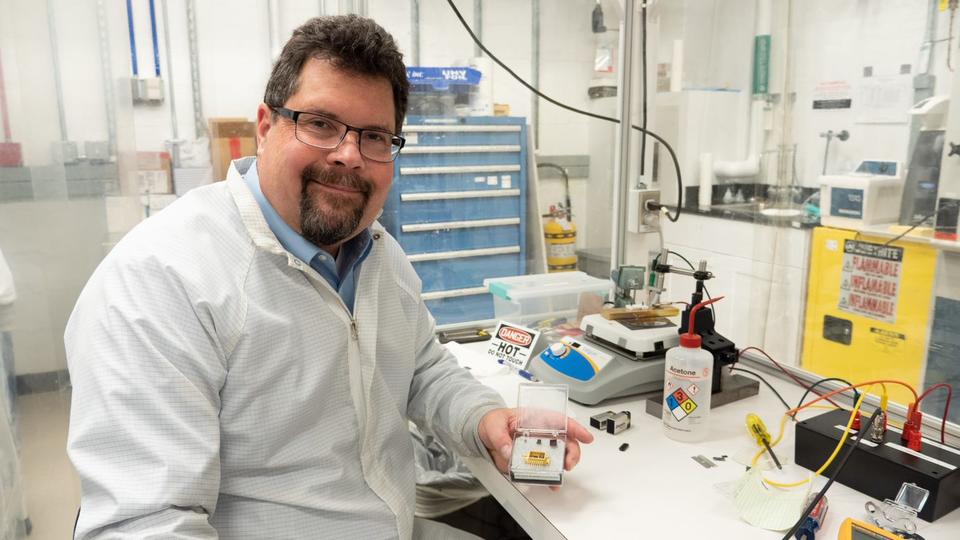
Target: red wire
(783,369)
(858,385)
(946,408)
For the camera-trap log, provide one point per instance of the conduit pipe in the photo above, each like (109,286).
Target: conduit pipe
(750,166)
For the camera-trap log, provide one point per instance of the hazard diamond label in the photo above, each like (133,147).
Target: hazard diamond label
(680,403)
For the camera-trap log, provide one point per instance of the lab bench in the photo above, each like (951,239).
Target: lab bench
(654,488)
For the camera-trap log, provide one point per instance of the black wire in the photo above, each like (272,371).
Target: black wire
(713,309)
(764,381)
(919,223)
(833,476)
(528,86)
(856,394)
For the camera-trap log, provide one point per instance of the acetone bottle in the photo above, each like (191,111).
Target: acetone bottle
(688,374)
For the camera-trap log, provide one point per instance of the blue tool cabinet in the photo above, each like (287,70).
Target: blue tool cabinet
(458,209)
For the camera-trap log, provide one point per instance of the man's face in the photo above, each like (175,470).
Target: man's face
(328,196)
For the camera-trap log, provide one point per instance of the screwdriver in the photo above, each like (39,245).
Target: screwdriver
(759,432)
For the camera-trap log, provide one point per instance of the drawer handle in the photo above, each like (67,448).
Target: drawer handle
(450,195)
(454,293)
(444,255)
(421,227)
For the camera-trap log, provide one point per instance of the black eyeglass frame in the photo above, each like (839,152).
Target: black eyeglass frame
(396,141)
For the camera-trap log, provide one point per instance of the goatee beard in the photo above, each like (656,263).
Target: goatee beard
(331,226)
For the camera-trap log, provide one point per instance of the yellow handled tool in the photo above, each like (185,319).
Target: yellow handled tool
(758,431)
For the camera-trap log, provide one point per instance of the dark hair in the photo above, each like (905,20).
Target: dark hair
(351,43)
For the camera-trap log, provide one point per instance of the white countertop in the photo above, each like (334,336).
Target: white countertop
(655,488)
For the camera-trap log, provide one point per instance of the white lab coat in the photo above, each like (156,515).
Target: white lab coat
(8,294)
(221,387)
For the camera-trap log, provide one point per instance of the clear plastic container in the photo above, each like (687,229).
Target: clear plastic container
(539,443)
(530,300)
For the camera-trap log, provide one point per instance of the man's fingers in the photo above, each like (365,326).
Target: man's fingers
(573,455)
(577,432)
(500,462)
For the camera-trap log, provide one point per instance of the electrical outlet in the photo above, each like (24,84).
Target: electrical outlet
(639,218)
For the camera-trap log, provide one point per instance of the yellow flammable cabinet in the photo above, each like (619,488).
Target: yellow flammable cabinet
(868,308)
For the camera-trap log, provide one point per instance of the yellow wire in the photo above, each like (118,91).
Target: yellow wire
(843,440)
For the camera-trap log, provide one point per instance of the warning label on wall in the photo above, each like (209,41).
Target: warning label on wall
(870,280)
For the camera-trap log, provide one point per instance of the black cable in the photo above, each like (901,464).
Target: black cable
(528,86)
(856,394)
(919,223)
(713,308)
(764,381)
(833,476)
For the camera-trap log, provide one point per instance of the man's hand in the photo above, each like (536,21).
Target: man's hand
(498,426)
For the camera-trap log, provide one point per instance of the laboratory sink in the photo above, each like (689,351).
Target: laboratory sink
(762,208)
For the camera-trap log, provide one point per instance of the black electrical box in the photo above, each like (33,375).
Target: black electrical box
(879,469)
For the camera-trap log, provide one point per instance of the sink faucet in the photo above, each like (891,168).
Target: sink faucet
(829,135)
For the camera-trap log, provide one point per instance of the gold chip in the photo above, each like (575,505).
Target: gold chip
(537,457)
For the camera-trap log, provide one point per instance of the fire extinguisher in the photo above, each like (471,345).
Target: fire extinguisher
(560,235)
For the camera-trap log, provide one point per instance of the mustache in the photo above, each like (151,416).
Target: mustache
(328,177)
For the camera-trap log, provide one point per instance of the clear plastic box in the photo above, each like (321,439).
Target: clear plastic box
(539,444)
(530,300)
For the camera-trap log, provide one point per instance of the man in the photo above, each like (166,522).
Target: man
(244,364)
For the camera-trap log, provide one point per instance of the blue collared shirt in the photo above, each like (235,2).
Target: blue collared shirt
(341,273)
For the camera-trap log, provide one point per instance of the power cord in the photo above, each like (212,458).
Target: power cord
(764,381)
(919,223)
(833,476)
(528,86)
(856,393)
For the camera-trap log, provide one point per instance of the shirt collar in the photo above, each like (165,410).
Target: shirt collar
(351,251)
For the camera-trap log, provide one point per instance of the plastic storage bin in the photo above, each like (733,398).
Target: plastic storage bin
(527,300)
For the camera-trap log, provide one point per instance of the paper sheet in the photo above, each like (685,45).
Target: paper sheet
(766,506)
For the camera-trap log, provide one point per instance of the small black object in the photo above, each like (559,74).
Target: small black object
(720,458)
(539,441)
(624,446)
(618,422)
(553,443)
(468,335)
(878,471)
(599,421)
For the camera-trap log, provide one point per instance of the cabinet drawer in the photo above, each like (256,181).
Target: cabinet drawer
(457,235)
(458,206)
(457,309)
(466,178)
(467,268)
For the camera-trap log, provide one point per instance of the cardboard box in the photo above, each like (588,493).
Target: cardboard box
(153,172)
(230,139)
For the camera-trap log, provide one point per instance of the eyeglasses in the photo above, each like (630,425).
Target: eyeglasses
(323,132)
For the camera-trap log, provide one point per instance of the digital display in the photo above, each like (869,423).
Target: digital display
(859,533)
(886,168)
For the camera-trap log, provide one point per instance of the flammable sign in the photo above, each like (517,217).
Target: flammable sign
(870,280)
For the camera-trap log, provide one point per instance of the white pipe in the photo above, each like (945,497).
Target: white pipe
(751,165)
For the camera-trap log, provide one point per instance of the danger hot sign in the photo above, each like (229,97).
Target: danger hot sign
(512,344)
